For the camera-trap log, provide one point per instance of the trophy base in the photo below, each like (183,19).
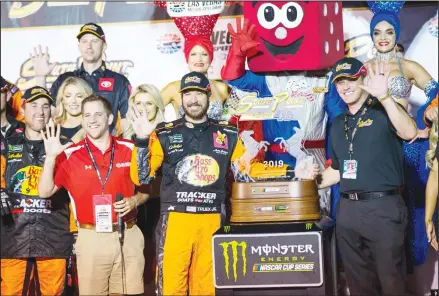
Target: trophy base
(275,201)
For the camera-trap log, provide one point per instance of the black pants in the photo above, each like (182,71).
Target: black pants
(370,236)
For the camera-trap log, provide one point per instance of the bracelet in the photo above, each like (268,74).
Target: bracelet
(384,98)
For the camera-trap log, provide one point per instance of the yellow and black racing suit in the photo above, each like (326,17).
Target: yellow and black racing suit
(35,235)
(194,159)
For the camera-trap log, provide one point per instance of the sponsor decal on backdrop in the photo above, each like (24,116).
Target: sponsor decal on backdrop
(194,8)
(169,44)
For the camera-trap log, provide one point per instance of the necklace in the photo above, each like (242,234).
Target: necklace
(386,56)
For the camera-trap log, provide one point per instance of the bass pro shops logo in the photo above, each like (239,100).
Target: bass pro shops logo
(235,258)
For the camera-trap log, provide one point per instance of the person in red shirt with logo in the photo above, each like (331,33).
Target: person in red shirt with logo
(111,85)
(95,171)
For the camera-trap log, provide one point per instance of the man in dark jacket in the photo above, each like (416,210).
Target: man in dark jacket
(35,234)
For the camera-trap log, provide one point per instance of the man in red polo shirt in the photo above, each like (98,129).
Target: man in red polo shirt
(94,171)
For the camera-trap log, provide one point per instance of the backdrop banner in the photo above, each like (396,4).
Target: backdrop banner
(146,46)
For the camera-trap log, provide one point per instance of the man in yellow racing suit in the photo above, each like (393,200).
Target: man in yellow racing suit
(194,154)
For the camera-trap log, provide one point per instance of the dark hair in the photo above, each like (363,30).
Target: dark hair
(97,98)
(400,48)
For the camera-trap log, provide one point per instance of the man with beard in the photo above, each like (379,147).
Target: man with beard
(194,153)
(104,82)
(95,171)
(36,240)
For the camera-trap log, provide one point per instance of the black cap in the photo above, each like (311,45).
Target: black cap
(194,80)
(348,67)
(34,93)
(91,28)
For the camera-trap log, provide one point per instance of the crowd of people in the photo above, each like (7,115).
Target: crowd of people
(92,150)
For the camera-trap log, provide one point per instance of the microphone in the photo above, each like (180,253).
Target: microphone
(120,225)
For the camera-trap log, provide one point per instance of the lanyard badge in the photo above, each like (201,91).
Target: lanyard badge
(103,203)
(350,167)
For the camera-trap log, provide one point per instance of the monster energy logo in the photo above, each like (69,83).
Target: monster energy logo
(234,245)
(308,226)
(226,228)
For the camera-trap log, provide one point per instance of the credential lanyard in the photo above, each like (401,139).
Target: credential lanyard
(346,127)
(96,166)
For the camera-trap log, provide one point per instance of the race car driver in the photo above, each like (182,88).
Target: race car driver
(36,241)
(194,153)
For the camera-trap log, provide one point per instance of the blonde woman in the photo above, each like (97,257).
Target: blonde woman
(145,98)
(145,104)
(68,107)
(431,192)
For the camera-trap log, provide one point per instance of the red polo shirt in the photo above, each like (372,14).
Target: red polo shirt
(75,172)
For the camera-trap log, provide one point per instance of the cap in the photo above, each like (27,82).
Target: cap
(34,93)
(91,28)
(194,80)
(348,67)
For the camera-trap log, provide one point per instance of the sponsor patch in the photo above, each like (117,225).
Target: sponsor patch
(15,155)
(220,140)
(197,170)
(194,79)
(15,148)
(177,138)
(25,180)
(175,146)
(344,66)
(367,122)
(191,209)
(106,84)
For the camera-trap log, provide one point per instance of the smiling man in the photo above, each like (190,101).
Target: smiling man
(95,171)
(194,154)
(367,161)
(36,242)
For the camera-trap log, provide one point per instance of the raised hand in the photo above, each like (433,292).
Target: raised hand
(244,38)
(139,121)
(52,143)
(376,83)
(41,61)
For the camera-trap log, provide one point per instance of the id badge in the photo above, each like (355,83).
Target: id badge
(350,168)
(102,205)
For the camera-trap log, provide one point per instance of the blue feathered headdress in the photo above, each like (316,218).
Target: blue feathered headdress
(385,11)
